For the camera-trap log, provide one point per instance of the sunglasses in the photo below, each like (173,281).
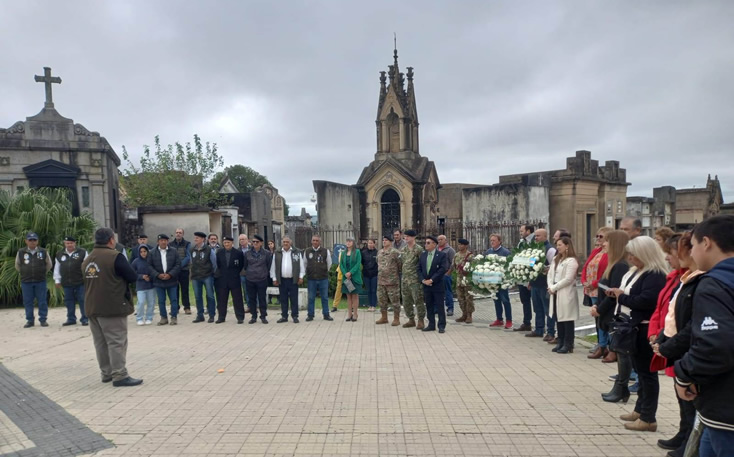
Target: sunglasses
(600,236)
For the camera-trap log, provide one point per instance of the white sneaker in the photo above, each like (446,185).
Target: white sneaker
(148,322)
(140,322)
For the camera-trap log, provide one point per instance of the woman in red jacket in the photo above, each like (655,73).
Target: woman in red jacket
(591,273)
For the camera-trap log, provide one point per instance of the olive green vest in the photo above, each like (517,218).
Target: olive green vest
(105,293)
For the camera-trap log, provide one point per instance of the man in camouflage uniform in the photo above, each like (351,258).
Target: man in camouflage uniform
(388,280)
(463,278)
(411,288)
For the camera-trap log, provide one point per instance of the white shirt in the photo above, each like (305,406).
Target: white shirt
(164,260)
(286,266)
(57,267)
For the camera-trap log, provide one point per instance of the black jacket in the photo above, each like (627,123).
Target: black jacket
(674,347)
(369,263)
(228,274)
(606,305)
(173,262)
(643,297)
(709,363)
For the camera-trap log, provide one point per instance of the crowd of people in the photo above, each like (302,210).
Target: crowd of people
(662,303)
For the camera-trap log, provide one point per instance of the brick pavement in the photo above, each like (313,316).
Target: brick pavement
(332,388)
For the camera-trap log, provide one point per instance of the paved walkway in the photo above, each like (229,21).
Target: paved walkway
(327,388)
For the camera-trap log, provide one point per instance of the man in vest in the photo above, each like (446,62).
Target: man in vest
(318,263)
(229,265)
(203,266)
(68,274)
(287,273)
(33,263)
(109,302)
(256,266)
(182,247)
(165,266)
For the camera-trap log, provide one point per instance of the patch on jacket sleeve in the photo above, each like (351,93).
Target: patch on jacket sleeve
(709,324)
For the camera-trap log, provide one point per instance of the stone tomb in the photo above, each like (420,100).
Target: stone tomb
(50,150)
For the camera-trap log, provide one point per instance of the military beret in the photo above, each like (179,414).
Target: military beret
(432,238)
(142,235)
(464,241)
(410,233)
(162,236)
(258,238)
(32,236)
(200,234)
(387,237)
(70,238)
(227,238)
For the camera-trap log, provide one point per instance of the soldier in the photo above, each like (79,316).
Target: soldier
(32,262)
(411,288)
(68,274)
(388,280)
(466,301)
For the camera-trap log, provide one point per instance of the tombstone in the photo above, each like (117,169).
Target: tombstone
(50,150)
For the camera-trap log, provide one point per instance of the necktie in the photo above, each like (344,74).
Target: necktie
(429,262)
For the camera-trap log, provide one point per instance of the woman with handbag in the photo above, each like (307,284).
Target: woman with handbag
(636,302)
(674,339)
(591,273)
(564,306)
(350,264)
(615,245)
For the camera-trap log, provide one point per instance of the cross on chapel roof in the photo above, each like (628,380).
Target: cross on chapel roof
(47,79)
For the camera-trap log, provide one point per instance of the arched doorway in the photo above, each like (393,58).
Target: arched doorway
(390,209)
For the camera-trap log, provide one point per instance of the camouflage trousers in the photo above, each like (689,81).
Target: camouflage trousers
(466,301)
(413,296)
(388,296)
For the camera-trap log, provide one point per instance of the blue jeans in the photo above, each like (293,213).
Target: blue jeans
(172,296)
(146,303)
(527,308)
(322,285)
(715,443)
(211,304)
(503,300)
(449,294)
(371,285)
(541,306)
(72,295)
(37,291)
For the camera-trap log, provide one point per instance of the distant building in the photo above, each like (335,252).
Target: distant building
(642,209)
(697,204)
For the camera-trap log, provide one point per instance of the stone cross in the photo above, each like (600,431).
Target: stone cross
(47,79)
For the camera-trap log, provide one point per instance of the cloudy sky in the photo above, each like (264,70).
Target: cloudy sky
(290,88)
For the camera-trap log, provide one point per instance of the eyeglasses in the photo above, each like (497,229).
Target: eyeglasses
(600,236)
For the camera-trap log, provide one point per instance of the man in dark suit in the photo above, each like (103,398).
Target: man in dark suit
(432,267)
(165,266)
(229,265)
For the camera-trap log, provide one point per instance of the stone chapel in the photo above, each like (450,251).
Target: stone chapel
(49,150)
(399,188)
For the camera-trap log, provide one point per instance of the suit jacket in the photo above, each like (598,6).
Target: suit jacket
(439,267)
(229,273)
(173,262)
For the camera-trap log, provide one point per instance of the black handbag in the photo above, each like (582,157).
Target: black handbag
(623,335)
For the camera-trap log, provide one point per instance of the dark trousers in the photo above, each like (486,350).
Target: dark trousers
(716,442)
(371,286)
(647,396)
(223,291)
(256,291)
(503,300)
(527,307)
(435,297)
(687,418)
(566,333)
(183,285)
(288,295)
(72,295)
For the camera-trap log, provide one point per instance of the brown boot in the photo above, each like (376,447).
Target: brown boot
(611,357)
(596,354)
(420,324)
(462,318)
(630,417)
(396,317)
(468,319)
(641,426)
(383,319)
(410,323)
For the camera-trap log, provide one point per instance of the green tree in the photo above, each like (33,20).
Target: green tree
(244,178)
(175,175)
(48,213)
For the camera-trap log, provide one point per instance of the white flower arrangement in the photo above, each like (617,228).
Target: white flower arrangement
(527,264)
(489,274)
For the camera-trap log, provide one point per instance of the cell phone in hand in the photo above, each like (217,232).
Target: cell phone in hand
(604,288)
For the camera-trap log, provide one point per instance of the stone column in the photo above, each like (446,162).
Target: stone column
(403,136)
